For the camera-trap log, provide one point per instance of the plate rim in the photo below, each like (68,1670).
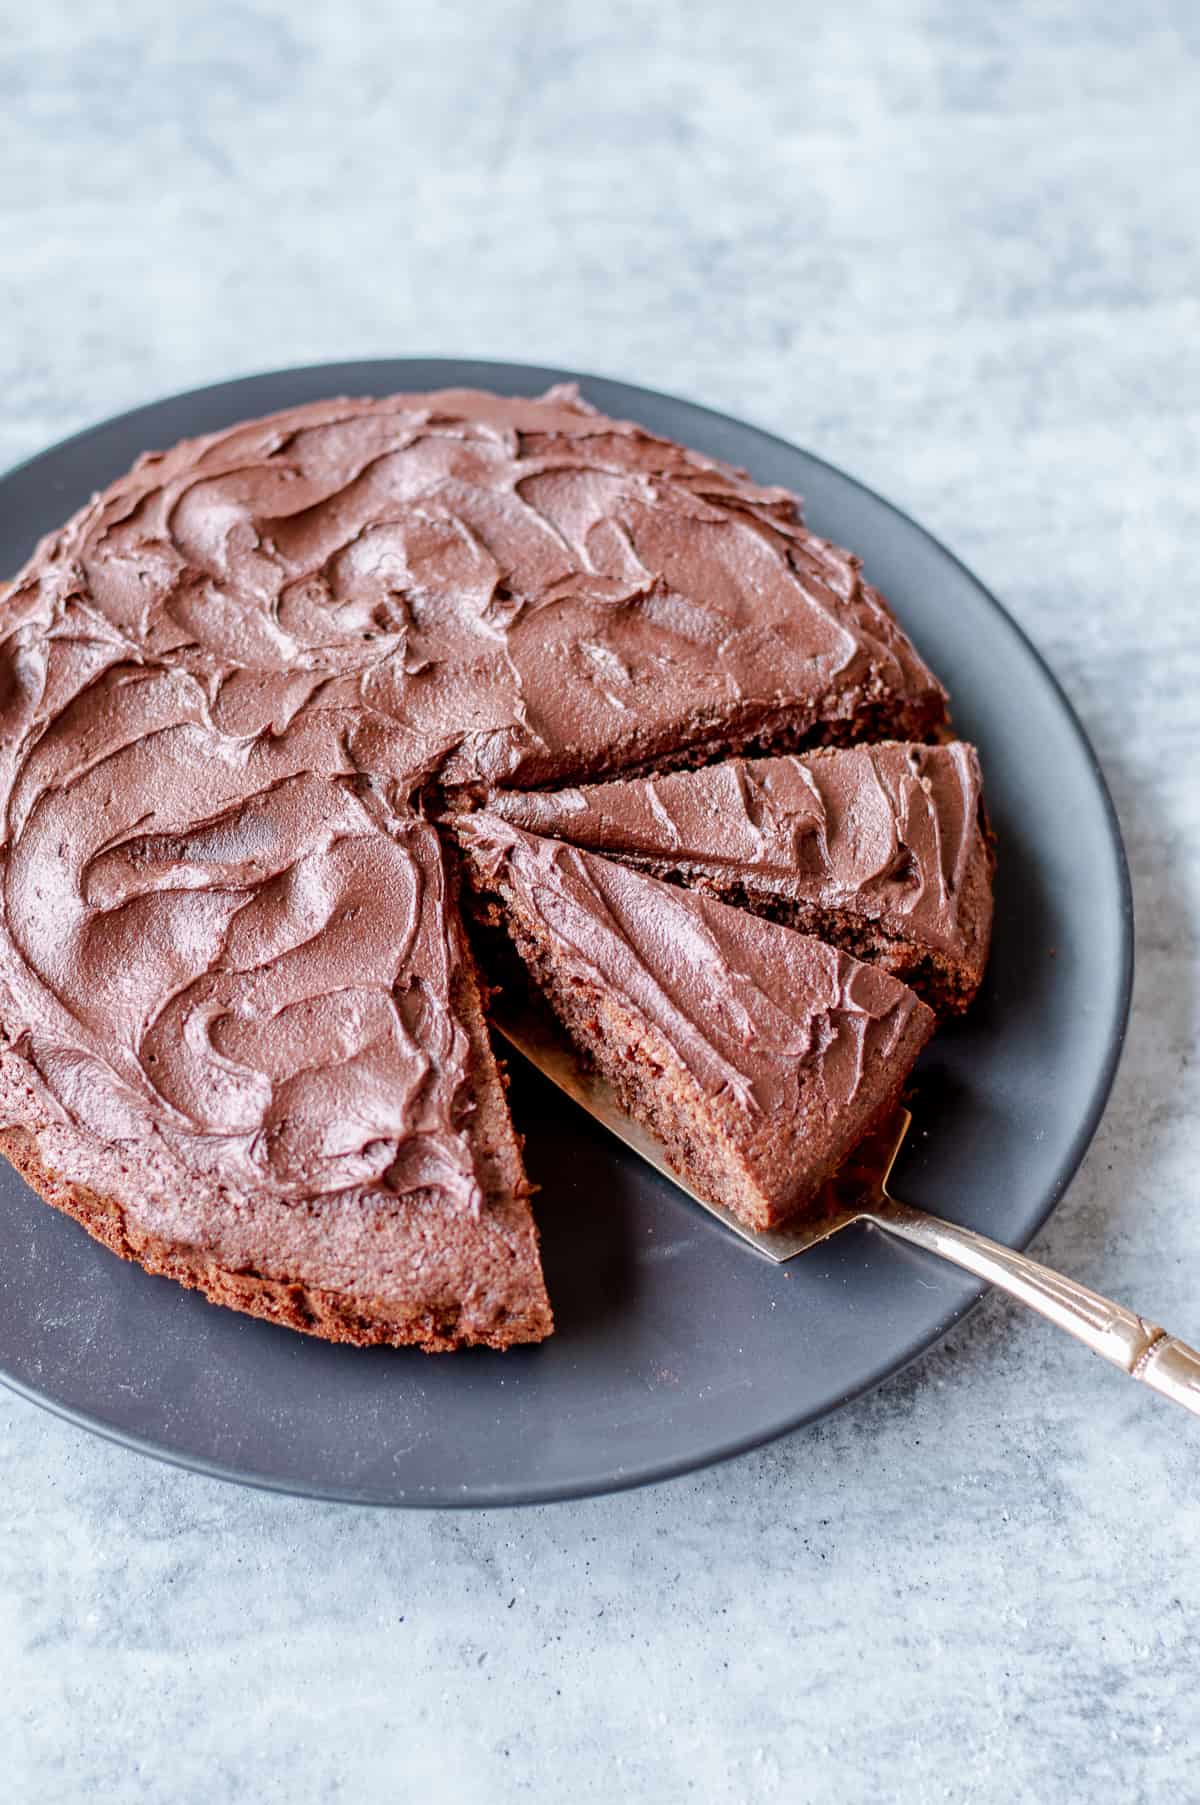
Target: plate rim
(536,1494)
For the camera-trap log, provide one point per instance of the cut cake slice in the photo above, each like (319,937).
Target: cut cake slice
(757,1056)
(880,849)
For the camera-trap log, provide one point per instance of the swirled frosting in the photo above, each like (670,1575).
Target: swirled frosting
(226,945)
(888,833)
(518,591)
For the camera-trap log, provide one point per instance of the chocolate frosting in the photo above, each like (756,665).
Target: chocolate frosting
(226,685)
(225,947)
(783,1025)
(890,832)
(518,591)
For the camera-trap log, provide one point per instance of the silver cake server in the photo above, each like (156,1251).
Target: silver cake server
(860,1194)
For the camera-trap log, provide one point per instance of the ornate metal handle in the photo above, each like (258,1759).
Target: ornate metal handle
(1138,1347)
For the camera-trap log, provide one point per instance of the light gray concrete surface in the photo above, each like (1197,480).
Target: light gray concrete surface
(951,246)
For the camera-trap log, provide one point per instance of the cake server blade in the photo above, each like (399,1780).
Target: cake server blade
(534,1034)
(859,1193)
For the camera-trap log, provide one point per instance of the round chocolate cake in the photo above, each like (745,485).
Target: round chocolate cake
(285,705)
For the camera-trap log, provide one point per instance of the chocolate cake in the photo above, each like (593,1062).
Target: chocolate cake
(758,1056)
(241,1037)
(880,849)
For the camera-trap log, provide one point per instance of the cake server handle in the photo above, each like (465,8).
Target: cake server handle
(1140,1348)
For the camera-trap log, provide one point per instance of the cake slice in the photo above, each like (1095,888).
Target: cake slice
(757,1056)
(880,849)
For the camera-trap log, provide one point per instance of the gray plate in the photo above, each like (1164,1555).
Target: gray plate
(675,1345)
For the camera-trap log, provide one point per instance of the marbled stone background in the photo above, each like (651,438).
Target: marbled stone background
(952,246)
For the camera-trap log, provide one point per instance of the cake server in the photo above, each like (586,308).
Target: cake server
(860,1194)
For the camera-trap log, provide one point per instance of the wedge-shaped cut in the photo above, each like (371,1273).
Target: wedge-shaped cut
(756,1055)
(880,849)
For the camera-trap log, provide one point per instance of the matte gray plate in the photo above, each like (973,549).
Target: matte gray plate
(675,1345)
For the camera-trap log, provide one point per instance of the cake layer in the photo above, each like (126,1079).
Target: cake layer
(758,1056)
(882,849)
